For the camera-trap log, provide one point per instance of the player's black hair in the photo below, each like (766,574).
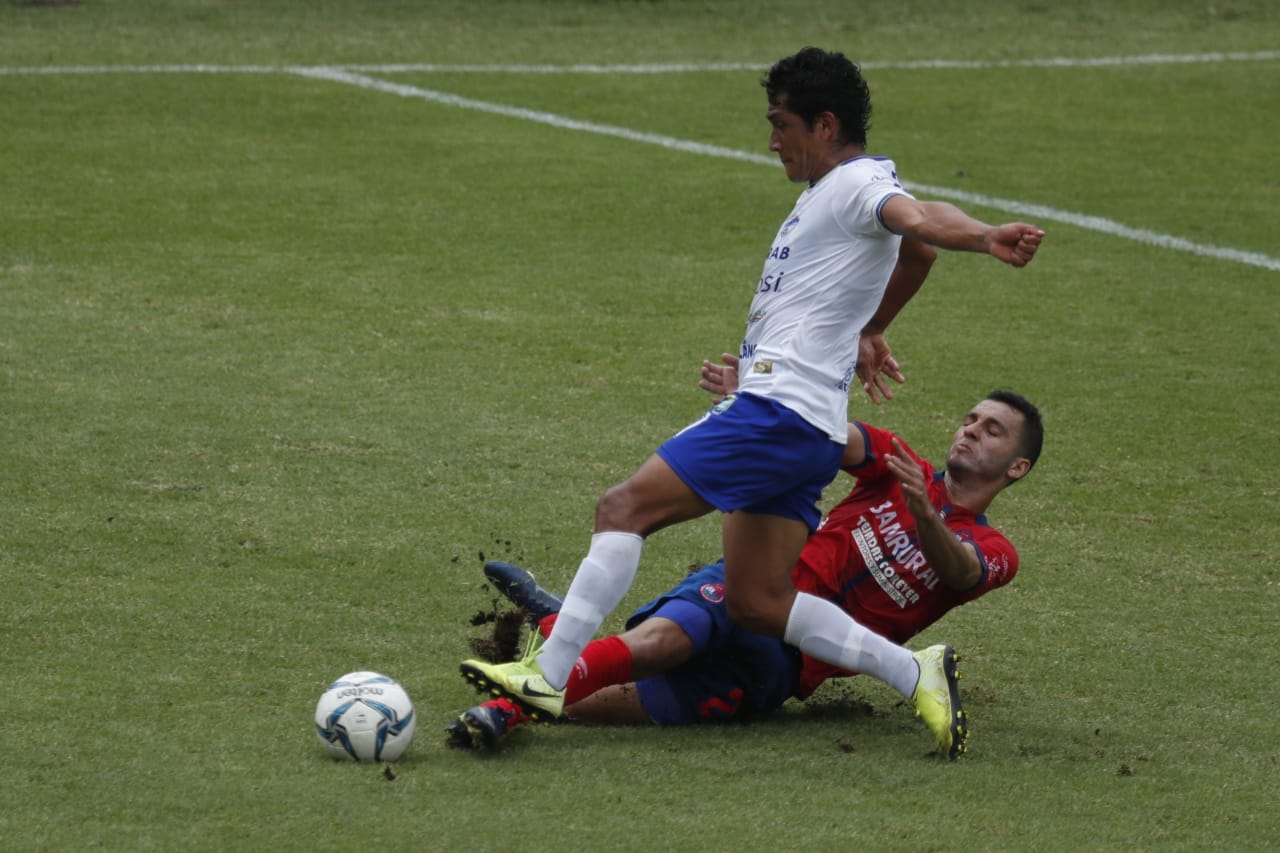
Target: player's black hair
(1032,426)
(816,81)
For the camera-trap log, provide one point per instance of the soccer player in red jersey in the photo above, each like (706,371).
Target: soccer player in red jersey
(908,544)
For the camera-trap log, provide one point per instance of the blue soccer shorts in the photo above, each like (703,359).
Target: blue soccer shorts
(754,454)
(733,673)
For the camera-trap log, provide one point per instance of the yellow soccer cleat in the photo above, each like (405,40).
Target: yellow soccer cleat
(937,699)
(520,681)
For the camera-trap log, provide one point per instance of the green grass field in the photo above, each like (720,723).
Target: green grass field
(284,358)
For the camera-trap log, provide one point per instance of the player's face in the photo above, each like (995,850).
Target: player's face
(986,444)
(797,146)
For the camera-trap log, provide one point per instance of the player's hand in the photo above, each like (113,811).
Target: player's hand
(720,379)
(875,364)
(1015,243)
(911,477)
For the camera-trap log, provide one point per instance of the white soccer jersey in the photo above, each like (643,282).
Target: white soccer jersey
(822,282)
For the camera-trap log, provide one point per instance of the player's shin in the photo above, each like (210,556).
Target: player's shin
(824,631)
(602,581)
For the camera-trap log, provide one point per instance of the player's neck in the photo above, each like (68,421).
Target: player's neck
(973,496)
(839,154)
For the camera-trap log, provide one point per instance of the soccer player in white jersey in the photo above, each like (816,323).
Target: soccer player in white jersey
(909,543)
(763,455)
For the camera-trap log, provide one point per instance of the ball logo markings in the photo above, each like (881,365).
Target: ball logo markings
(365,716)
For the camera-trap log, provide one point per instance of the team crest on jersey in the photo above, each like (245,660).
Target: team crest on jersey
(789,225)
(723,406)
(713,592)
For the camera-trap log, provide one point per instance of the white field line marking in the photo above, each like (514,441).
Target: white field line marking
(948,64)
(39,70)
(667,68)
(339,75)
(1025,209)
(1033,212)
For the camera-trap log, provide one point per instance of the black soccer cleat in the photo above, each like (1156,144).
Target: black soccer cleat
(522,590)
(481,727)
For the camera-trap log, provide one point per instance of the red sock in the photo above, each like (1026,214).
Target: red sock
(546,624)
(506,706)
(603,662)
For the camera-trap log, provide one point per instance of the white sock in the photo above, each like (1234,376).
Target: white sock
(824,631)
(599,586)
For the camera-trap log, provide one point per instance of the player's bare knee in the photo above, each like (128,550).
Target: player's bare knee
(615,509)
(755,611)
(657,644)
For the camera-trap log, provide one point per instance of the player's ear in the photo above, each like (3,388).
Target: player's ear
(1018,469)
(828,125)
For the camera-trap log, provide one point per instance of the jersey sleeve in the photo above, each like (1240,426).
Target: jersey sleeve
(879,444)
(998,557)
(858,210)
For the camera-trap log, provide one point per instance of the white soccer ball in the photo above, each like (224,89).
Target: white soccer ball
(365,716)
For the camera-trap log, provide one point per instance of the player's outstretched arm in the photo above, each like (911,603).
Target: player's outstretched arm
(1015,243)
(941,224)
